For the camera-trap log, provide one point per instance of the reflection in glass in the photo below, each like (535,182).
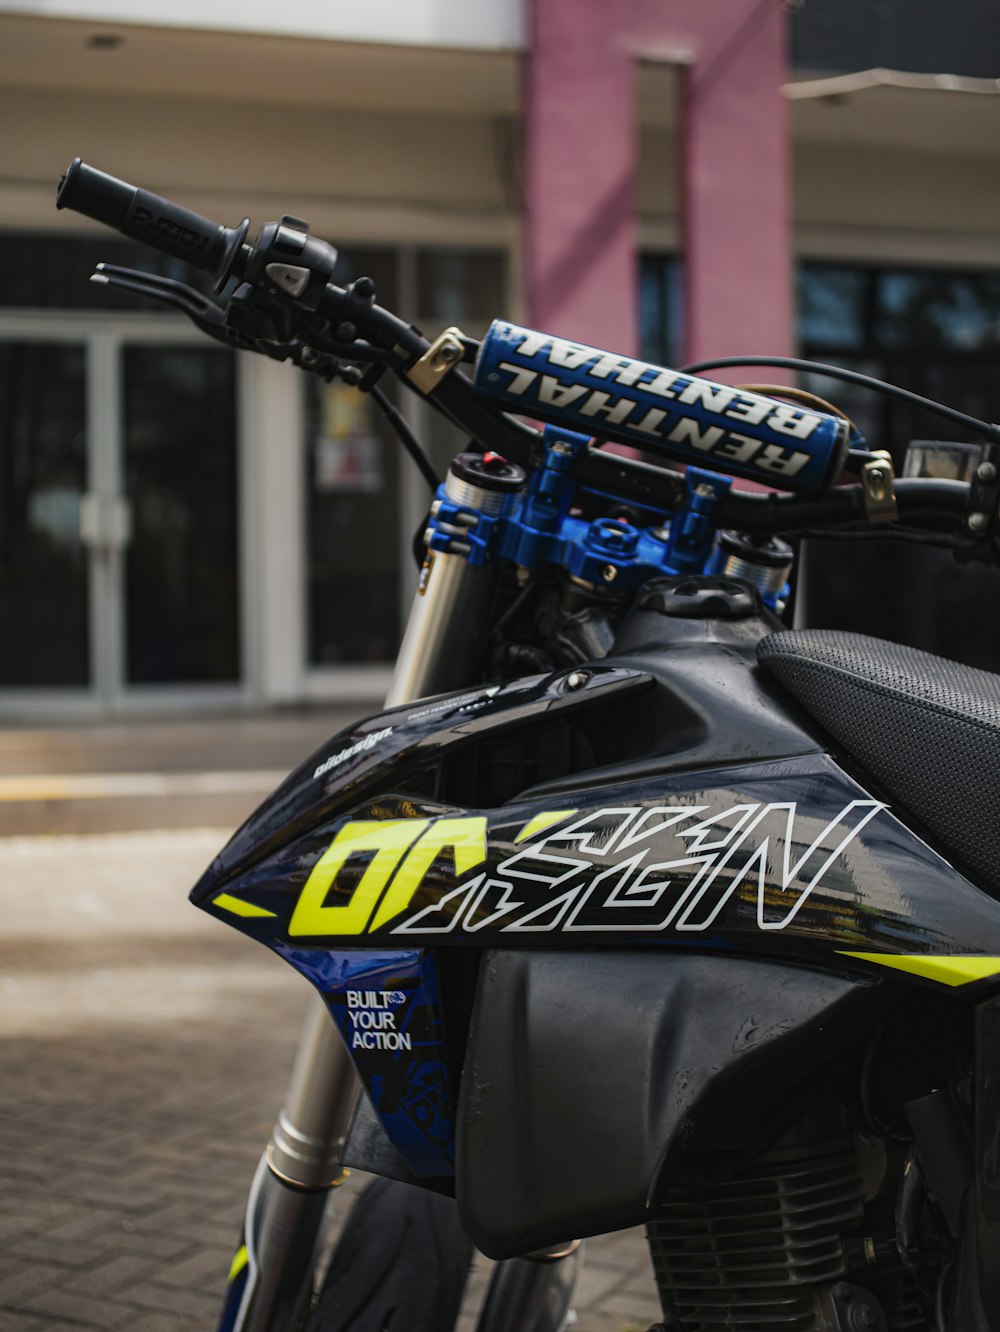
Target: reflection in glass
(353,462)
(936,332)
(460,287)
(44,272)
(44,594)
(832,302)
(938,309)
(353,505)
(182,587)
(463,287)
(659,309)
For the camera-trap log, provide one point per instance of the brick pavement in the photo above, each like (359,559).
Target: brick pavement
(143,1051)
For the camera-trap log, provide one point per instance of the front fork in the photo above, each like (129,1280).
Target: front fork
(271,1279)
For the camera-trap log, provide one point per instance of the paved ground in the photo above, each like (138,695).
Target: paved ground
(144,1048)
(152,775)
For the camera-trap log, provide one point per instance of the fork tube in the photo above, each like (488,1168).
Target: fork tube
(451,591)
(534,1293)
(304,1157)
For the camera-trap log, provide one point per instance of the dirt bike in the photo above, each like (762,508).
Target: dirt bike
(633,905)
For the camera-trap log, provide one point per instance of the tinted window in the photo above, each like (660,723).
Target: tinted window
(53,272)
(937,332)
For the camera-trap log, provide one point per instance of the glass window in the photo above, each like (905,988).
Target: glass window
(352,504)
(466,287)
(180,462)
(832,304)
(659,309)
(354,537)
(355,464)
(463,287)
(939,311)
(936,332)
(44,586)
(53,272)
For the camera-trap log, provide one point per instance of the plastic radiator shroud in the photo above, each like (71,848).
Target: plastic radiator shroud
(549,1144)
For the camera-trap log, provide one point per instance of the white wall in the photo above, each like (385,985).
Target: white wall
(856,201)
(480,24)
(868,202)
(353,175)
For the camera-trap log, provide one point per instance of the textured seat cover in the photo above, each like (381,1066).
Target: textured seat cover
(927,729)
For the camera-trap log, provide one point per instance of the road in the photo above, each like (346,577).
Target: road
(144,1048)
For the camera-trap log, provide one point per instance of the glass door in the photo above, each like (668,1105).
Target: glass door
(45,595)
(179,479)
(119,550)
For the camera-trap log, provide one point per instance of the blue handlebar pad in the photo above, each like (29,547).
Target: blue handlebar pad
(694,420)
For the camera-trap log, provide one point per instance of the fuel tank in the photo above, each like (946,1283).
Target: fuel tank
(669,795)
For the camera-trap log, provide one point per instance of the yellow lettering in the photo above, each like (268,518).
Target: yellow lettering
(389,839)
(467,840)
(542,821)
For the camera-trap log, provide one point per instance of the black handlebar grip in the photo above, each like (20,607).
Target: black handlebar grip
(148,218)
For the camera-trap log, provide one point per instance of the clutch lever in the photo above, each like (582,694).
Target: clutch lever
(208,317)
(202,312)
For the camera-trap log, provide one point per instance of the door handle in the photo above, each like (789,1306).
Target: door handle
(105,522)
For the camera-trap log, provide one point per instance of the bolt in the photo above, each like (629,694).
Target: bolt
(561,447)
(977,522)
(609,573)
(448,353)
(704,492)
(986,472)
(660,533)
(577,680)
(876,476)
(864,1317)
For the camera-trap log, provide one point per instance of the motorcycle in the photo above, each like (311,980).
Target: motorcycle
(634,904)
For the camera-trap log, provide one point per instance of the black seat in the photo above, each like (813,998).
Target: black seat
(927,729)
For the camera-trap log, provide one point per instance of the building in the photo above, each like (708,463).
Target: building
(181,527)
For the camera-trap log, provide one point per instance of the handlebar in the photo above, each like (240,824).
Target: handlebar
(155,221)
(915,497)
(287,307)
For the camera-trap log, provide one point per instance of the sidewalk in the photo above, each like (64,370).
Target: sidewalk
(153,774)
(144,1048)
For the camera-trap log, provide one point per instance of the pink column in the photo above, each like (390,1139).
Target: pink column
(736,191)
(579,169)
(580,148)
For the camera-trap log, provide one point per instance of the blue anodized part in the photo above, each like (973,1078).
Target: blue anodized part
(540,530)
(457,529)
(691,540)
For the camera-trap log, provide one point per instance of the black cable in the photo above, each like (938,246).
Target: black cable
(991,432)
(407,438)
(516,605)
